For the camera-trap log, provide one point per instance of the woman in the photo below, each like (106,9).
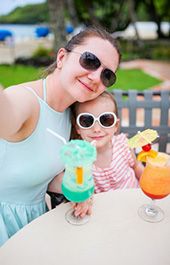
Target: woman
(29,154)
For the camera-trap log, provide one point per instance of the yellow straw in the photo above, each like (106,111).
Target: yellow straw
(79,175)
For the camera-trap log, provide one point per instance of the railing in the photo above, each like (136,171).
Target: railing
(147,109)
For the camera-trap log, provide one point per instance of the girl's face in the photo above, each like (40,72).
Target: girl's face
(101,135)
(79,83)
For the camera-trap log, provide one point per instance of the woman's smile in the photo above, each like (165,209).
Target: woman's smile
(86,85)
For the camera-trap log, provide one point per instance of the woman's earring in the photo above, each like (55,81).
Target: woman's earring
(59,64)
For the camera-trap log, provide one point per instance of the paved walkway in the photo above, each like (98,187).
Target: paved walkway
(157,69)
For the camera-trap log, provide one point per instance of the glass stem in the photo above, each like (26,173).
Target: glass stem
(151,210)
(152,203)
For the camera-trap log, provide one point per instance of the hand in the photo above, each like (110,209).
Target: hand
(83,208)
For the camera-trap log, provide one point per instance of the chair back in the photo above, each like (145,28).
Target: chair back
(140,110)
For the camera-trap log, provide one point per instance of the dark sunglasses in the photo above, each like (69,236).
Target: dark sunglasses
(89,61)
(105,119)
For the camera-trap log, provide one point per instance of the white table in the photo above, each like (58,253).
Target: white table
(115,235)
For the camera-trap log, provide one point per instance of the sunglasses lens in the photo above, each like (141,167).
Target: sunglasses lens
(89,61)
(107,120)
(85,120)
(108,77)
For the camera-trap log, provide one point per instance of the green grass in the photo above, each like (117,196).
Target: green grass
(126,79)
(15,74)
(134,79)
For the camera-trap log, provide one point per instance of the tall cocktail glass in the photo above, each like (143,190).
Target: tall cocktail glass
(78,184)
(155,183)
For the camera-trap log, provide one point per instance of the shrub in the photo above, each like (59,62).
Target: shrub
(42,52)
(41,57)
(161,53)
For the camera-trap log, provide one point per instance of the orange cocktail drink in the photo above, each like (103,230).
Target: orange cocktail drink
(155,183)
(155,180)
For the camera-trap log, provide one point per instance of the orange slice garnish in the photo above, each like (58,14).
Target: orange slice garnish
(142,156)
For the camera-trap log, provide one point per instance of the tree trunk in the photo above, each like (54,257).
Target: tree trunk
(116,18)
(57,22)
(92,20)
(133,18)
(72,12)
(156,17)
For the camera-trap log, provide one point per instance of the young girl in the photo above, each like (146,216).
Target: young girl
(116,166)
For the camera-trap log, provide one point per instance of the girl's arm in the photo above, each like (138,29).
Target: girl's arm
(138,166)
(83,208)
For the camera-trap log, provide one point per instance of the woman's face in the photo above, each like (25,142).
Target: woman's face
(82,84)
(97,133)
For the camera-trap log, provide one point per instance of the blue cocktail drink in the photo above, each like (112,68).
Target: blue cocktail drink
(78,184)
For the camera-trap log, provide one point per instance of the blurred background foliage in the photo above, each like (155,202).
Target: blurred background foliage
(112,15)
(29,14)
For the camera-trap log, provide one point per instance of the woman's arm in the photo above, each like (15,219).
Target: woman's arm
(55,184)
(17,105)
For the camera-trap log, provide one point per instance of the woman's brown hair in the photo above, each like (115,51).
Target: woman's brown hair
(80,38)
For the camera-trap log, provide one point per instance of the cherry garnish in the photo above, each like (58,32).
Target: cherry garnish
(146,147)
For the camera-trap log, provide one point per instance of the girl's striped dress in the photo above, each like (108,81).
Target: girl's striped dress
(120,173)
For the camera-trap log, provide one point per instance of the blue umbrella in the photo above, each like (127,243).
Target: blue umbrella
(4,34)
(42,31)
(69,29)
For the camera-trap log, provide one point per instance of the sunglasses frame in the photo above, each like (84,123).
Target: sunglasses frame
(82,59)
(96,119)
